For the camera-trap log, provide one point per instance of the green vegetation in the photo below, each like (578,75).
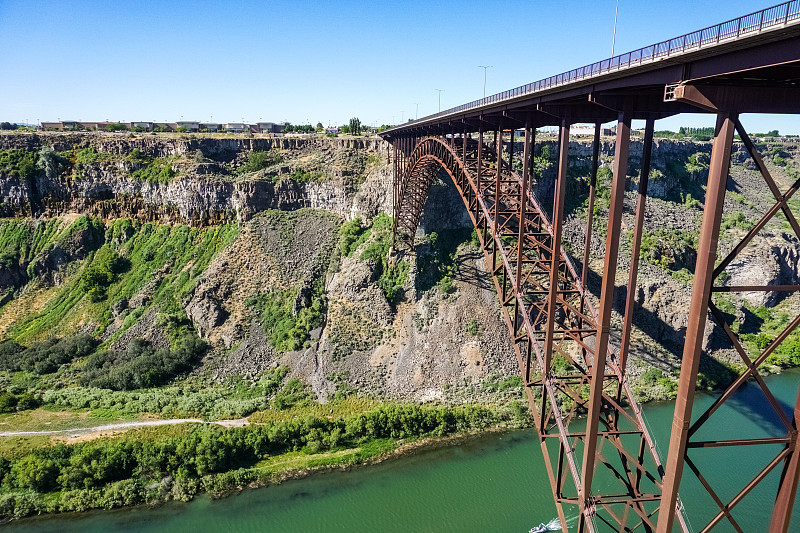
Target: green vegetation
(437,263)
(131,255)
(44,357)
(391,277)
(354,126)
(654,384)
(260,160)
(351,236)
(288,316)
(669,249)
(104,270)
(16,162)
(737,220)
(157,170)
(123,471)
(473,327)
(141,366)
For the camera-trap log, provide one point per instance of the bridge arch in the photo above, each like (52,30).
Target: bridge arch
(549,315)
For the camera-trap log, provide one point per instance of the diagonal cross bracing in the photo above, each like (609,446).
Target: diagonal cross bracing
(554,326)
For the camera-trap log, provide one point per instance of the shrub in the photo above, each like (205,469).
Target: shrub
(260,160)
(104,270)
(141,365)
(46,356)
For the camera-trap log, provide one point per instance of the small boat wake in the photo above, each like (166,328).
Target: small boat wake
(552,525)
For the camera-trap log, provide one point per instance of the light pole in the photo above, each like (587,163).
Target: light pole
(402,116)
(485,68)
(416,115)
(614,38)
(440,98)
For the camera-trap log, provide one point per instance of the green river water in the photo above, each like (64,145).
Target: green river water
(492,483)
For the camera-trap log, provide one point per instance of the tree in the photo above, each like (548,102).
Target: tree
(773,133)
(7,126)
(50,162)
(355,126)
(320,127)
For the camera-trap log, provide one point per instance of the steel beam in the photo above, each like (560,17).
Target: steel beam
(638,229)
(587,247)
(604,317)
(698,311)
(557,225)
(787,490)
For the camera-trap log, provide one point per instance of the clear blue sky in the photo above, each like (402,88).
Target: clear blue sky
(313,61)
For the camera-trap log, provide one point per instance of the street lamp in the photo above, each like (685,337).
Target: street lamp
(440,98)
(614,38)
(416,115)
(484,67)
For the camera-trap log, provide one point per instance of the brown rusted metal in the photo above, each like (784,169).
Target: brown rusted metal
(606,304)
(587,247)
(525,280)
(787,489)
(638,228)
(701,293)
(546,307)
(557,224)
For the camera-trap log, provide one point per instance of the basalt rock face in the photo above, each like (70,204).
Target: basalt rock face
(208,189)
(420,347)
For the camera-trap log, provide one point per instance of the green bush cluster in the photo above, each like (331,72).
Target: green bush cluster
(669,249)
(105,269)
(351,236)
(186,399)
(287,320)
(294,392)
(47,356)
(654,384)
(437,266)
(158,170)
(125,471)
(391,277)
(141,365)
(260,160)
(17,162)
(10,402)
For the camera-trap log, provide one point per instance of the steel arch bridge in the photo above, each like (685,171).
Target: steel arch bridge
(601,460)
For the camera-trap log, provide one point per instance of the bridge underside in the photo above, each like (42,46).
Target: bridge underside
(601,459)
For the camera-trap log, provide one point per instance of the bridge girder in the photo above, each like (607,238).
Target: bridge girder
(546,307)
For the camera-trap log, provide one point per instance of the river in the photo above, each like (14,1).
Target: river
(494,482)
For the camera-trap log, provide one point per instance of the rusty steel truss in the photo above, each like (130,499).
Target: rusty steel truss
(601,460)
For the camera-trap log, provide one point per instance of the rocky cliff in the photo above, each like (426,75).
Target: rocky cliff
(274,252)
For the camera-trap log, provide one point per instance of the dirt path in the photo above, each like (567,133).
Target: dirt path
(122,426)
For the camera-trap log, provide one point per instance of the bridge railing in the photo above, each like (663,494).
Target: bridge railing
(766,19)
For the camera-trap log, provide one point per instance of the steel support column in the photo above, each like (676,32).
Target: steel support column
(497,186)
(638,228)
(598,369)
(787,491)
(523,202)
(698,312)
(590,211)
(558,215)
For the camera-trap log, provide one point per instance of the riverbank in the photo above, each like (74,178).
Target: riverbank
(152,465)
